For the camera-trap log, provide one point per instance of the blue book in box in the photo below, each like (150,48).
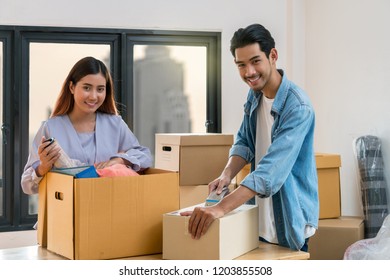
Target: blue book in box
(79,172)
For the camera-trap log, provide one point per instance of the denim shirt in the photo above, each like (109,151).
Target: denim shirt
(288,170)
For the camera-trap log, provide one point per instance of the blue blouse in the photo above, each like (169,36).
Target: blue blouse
(113,138)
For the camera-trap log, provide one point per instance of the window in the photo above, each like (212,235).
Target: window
(34,61)
(169,90)
(1,136)
(6,179)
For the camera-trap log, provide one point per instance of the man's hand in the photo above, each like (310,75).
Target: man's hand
(219,183)
(201,219)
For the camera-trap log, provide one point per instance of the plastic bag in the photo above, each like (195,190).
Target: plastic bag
(65,161)
(377,248)
(372,181)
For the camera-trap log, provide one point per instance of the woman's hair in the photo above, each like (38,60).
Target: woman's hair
(255,33)
(85,66)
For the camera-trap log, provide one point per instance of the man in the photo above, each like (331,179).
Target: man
(276,137)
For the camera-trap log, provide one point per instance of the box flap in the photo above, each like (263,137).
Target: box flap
(60,214)
(79,171)
(195,139)
(241,208)
(341,222)
(327,160)
(156,171)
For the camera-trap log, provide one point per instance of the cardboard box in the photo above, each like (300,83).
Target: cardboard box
(106,218)
(334,236)
(42,213)
(328,171)
(77,172)
(199,158)
(227,238)
(243,173)
(192,195)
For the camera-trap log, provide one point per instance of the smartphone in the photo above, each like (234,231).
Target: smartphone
(50,140)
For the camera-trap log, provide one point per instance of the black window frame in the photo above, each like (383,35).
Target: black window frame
(16,41)
(6,37)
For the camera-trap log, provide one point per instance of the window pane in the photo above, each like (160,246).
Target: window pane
(169,90)
(50,63)
(1,134)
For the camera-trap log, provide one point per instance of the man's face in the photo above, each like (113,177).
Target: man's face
(253,65)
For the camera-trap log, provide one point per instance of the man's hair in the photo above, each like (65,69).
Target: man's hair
(255,33)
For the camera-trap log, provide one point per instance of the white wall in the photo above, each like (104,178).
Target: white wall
(348,77)
(338,50)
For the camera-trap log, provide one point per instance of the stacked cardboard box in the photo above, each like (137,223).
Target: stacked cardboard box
(334,236)
(198,157)
(328,172)
(335,232)
(105,218)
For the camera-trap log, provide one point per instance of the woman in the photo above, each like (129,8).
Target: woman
(86,125)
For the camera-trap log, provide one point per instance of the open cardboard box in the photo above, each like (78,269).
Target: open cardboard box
(105,218)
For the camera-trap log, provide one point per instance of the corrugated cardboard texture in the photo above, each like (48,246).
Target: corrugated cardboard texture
(113,217)
(60,214)
(199,158)
(227,238)
(327,160)
(243,173)
(42,213)
(328,172)
(334,236)
(194,139)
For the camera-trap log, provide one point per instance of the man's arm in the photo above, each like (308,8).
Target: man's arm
(202,217)
(234,165)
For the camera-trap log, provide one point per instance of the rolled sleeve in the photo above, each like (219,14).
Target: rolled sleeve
(242,151)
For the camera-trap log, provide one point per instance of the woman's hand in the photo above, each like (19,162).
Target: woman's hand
(110,162)
(116,160)
(48,154)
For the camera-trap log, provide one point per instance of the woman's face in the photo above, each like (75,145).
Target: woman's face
(89,93)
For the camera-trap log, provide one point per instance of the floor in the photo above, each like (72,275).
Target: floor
(13,239)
